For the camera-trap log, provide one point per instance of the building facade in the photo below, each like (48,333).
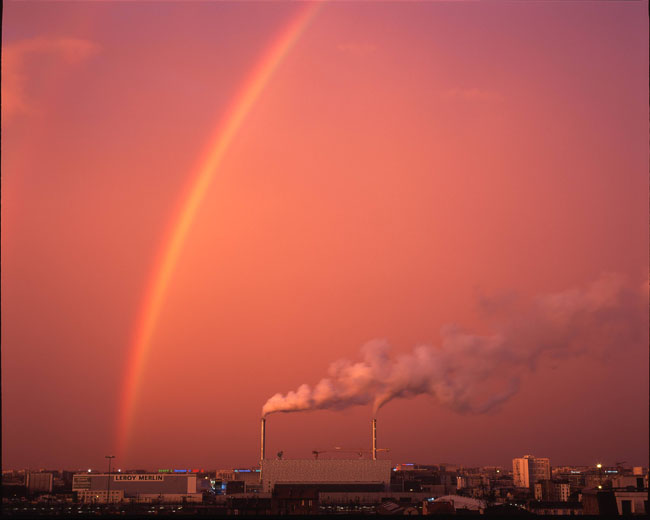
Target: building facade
(322,471)
(552,490)
(528,470)
(139,487)
(39,482)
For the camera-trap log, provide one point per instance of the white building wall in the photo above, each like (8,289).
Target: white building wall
(135,483)
(520,472)
(324,471)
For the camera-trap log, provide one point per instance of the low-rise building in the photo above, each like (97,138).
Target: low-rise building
(143,487)
(613,502)
(438,507)
(631,502)
(39,482)
(295,499)
(463,504)
(555,508)
(634,481)
(369,498)
(103,496)
(552,490)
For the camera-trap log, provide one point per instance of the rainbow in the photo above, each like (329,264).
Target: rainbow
(172,245)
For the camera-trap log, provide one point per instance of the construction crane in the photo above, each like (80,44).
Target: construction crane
(339,449)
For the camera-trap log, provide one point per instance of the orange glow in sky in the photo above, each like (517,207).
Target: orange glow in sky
(205,204)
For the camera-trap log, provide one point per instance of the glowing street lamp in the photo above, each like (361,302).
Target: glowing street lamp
(599,466)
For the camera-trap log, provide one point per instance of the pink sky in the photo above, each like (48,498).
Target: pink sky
(404,163)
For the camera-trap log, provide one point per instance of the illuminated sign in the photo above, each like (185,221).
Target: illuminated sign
(138,478)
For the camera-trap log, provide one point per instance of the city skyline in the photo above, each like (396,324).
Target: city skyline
(430,213)
(323,487)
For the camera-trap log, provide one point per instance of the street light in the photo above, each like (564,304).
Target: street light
(599,466)
(108,485)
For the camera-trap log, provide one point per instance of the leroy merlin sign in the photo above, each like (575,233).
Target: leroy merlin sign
(138,478)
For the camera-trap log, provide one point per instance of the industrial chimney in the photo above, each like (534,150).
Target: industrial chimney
(263,440)
(374,439)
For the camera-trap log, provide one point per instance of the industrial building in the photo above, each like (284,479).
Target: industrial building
(136,487)
(352,473)
(324,475)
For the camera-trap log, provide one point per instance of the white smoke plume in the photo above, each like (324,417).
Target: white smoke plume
(473,373)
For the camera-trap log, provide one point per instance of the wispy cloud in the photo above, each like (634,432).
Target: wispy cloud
(16,57)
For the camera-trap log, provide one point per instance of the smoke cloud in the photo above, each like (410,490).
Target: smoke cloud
(473,373)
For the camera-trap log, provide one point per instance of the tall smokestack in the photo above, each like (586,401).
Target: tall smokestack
(374,439)
(263,440)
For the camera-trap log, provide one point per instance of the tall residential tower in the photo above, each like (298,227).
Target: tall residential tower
(528,470)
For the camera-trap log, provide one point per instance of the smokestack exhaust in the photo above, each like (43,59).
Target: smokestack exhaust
(374,439)
(263,439)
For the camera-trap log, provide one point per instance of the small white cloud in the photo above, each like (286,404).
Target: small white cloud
(15,61)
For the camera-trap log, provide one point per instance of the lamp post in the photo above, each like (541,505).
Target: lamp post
(108,485)
(599,466)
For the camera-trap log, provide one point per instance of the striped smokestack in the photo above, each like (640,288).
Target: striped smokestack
(263,439)
(374,439)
